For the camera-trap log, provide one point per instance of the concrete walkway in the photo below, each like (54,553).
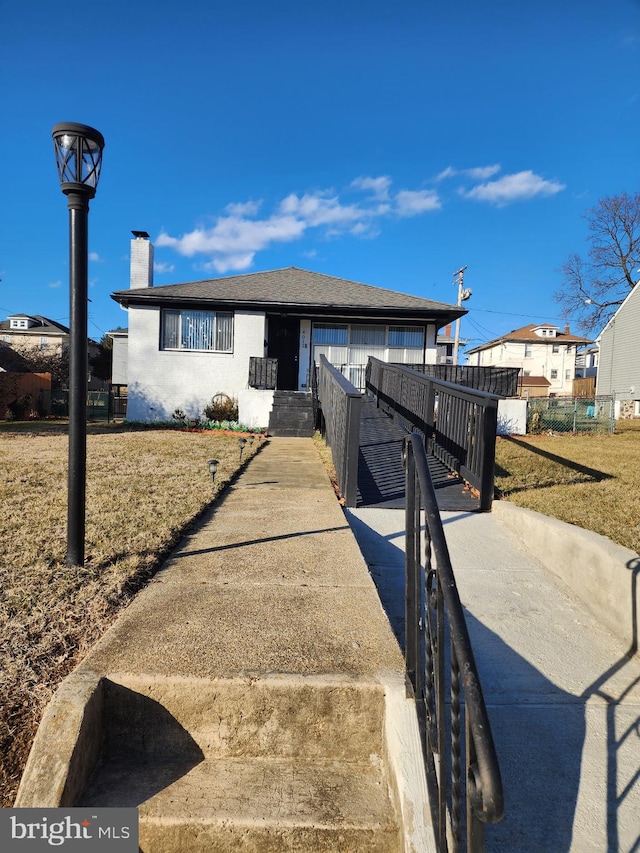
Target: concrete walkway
(271,596)
(252,696)
(563,699)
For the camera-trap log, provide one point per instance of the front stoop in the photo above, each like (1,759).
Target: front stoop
(259,765)
(292,415)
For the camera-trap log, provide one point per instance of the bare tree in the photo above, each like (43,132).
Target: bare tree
(593,287)
(55,362)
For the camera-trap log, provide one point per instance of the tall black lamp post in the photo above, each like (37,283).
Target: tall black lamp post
(78,150)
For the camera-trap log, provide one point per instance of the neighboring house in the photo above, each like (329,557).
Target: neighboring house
(26,333)
(23,331)
(540,351)
(587,362)
(619,360)
(188,342)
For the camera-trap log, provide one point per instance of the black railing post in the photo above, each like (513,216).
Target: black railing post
(489,429)
(461,434)
(341,405)
(430,606)
(412,561)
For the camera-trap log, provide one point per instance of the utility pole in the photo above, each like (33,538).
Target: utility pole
(463,295)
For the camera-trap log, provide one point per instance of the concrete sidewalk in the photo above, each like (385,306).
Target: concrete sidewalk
(252,696)
(253,693)
(563,699)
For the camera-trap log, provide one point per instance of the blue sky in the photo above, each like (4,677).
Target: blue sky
(389,143)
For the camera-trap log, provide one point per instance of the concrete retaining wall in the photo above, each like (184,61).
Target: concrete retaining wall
(601,574)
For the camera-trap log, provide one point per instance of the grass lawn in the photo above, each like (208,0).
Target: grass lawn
(144,487)
(590,481)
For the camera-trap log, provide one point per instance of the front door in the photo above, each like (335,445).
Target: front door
(284,343)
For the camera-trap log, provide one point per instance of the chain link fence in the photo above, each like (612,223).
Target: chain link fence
(570,415)
(101,405)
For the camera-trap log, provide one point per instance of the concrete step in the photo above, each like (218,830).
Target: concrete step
(258,764)
(292,419)
(282,416)
(255,804)
(292,398)
(291,432)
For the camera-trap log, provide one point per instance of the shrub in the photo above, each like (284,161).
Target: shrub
(221,408)
(18,409)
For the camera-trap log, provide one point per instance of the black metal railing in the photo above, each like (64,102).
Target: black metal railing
(438,656)
(341,405)
(459,424)
(495,380)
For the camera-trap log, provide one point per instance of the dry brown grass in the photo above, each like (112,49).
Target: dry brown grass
(590,481)
(143,490)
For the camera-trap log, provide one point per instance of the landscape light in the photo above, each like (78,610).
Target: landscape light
(213,467)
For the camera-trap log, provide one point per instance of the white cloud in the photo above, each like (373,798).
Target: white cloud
(234,239)
(227,263)
(449,172)
(246,208)
(519,186)
(234,235)
(320,209)
(55,283)
(95,257)
(379,187)
(477,173)
(414,202)
(163,267)
(481,173)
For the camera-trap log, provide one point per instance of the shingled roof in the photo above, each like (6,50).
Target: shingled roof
(11,361)
(527,335)
(293,289)
(42,325)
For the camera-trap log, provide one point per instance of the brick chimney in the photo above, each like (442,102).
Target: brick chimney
(566,328)
(141,274)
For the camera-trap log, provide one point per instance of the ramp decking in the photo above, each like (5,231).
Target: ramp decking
(380,472)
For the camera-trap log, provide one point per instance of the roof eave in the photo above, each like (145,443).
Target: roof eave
(443,314)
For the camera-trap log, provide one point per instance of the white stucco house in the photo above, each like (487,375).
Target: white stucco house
(188,342)
(619,358)
(539,350)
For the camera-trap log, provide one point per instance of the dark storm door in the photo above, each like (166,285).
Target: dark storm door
(284,342)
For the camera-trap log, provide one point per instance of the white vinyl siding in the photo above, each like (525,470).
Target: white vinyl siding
(619,358)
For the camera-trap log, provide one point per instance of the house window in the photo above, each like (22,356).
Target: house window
(369,336)
(44,343)
(326,333)
(555,348)
(554,374)
(567,374)
(528,351)
(409,336)
(210,331)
